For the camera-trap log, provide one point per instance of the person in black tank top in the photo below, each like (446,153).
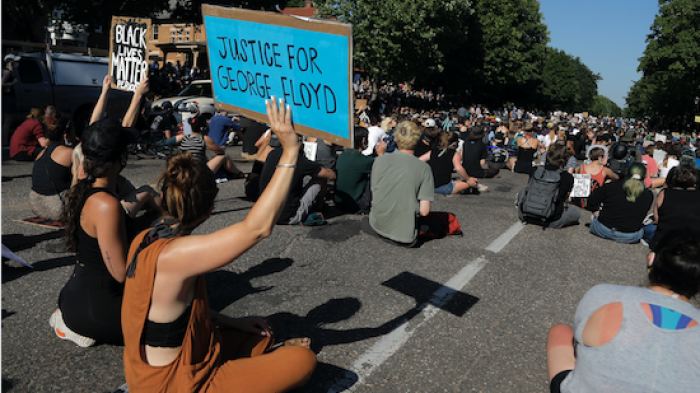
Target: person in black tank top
(676,206)
(51,175)
(443,159)
(90,303)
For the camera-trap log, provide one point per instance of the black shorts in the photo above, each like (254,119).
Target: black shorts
(557,380)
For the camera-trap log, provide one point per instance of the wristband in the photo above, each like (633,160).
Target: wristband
(286,165)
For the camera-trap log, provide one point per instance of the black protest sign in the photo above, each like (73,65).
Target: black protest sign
(128,61)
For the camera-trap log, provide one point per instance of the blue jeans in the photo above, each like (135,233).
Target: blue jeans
(446,189)
(649,231)
(601,230)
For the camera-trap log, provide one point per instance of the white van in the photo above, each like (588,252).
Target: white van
(72,83)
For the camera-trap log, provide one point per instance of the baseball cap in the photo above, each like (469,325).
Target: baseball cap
(430,123)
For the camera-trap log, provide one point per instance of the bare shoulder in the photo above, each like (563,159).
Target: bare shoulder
(63,155)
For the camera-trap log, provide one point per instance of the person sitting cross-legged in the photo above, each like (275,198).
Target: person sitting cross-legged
(619,208)
(402,190)
(173,342)
(632,339)
(352,187)
(302,197)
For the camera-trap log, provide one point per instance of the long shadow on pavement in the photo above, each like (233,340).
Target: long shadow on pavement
(424,291)
(18,242)
(224,287)
(13,273)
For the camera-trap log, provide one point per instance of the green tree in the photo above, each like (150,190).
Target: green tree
(588,86)
(507,50)
(18,16)
(560,86)
(670,66)
(603,106)
(397,40)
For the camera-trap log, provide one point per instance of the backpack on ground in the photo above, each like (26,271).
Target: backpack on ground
(497,154)
(441,224)
(539,198)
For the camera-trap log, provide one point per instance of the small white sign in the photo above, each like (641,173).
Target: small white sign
(310,150)
(582,186)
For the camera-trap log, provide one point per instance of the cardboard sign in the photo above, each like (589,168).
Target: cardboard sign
(310,150)
(660,138)
(128,60)
(254,55)
(582,186)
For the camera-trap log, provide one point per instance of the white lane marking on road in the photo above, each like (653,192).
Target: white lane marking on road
(498,244)
(392,342)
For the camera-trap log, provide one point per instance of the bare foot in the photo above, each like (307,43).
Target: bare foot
(299,342)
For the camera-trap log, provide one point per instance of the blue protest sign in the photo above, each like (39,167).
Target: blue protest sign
(254,55)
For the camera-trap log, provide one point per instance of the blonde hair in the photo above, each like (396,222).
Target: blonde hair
(407,135)
(634,185)
(385,124)
(77,165)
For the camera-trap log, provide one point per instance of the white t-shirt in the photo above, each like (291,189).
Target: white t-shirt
(663,171)
(375,134)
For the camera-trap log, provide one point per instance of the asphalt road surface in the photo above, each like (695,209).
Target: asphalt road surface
(460,314)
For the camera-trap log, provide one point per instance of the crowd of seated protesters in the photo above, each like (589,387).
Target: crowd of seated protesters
(395,188)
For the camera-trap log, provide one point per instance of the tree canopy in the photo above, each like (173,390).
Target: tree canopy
(397,40)
(486,51)
(670,67)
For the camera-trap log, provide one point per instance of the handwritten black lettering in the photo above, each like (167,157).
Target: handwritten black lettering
(313,55)
(290,49)
(276,54)
(223,42)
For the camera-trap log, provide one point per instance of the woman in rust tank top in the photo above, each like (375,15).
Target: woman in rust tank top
(173,342)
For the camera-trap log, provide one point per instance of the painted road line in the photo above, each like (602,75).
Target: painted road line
(503,240)
(392,342)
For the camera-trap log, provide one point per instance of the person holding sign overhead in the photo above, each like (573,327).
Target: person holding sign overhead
(90,303)
(173,342)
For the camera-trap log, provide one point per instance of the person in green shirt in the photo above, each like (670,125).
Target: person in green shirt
(352,186)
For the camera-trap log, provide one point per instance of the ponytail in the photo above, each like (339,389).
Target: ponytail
(189,188)
(634,185)
(75,199)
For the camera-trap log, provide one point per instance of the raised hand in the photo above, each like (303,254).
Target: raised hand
(280,117)
(106,83)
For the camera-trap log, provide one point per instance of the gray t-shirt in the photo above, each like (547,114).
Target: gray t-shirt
(641,357)
(399,181)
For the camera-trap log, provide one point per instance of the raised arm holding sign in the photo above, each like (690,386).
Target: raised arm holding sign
(128,61)
(254,55)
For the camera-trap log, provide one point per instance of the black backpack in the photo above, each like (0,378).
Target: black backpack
(539,202)
(620,158)
(497,154)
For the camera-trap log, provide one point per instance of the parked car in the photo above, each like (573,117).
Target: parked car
(198,91)
(70,82)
